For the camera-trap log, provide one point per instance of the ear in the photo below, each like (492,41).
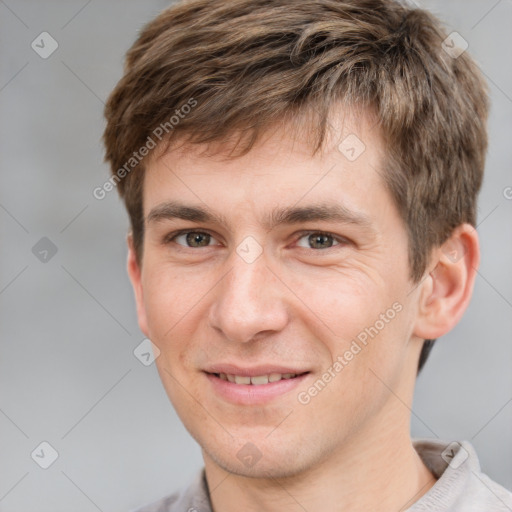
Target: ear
(447,288)
(134,272)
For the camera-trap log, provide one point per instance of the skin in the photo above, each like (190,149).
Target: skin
(297,304)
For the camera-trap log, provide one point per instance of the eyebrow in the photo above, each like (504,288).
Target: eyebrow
(279,216)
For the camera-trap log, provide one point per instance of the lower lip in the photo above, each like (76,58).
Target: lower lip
(249,394)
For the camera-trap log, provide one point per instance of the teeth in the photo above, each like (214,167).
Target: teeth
(257,380)
(261,379)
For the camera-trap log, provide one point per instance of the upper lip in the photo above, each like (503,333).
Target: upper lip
(266,369)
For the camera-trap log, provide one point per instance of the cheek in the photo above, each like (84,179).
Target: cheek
(360,321)
(341,302)
(367,360)
(177,302)
(172,299)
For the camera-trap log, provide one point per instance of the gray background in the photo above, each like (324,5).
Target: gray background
(68,326)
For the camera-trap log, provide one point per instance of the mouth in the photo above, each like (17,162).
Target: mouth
(257,380)
(260,387)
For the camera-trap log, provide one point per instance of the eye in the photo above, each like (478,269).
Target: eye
(318,240)
(193,239)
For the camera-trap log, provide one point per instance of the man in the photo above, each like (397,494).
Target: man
(301,180)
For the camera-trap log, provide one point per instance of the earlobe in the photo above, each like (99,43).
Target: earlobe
(448,286)
(135,275)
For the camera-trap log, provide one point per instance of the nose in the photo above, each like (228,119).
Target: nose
(249,302)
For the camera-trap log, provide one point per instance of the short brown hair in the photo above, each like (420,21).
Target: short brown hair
(247,64)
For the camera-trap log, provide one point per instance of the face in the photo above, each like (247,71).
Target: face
(276,287)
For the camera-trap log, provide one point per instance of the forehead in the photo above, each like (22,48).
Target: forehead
(280,167)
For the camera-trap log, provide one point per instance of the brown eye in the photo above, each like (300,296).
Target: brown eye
(193,239)
(317,241)
(320,241)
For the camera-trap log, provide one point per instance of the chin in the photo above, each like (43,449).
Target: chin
(263,458)
(267,467)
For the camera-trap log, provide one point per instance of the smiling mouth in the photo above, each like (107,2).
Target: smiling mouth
(257,380)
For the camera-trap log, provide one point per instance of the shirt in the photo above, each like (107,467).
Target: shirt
(461,486)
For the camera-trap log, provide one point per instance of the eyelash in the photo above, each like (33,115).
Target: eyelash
(340,240)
